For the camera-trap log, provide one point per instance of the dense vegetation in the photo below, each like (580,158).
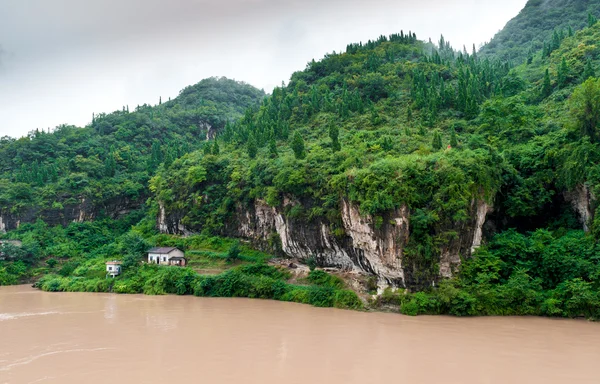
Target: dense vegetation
(538,26)
(114,157)
(390,123)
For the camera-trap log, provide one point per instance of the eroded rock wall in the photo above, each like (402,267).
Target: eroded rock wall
(84,210)
(582,200)
(362,243)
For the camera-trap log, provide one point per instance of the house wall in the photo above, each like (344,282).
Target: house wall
(176,253)
(163,258)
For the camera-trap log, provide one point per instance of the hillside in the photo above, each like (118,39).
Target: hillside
(102,169)
(535,25)
(465,180)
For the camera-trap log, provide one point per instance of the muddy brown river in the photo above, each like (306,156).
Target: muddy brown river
(99,338)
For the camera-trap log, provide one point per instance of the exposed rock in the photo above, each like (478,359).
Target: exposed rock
(85,210)
(469,238)
(363,244)
(582,201)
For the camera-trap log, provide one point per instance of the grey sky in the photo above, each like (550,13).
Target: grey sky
(61,60)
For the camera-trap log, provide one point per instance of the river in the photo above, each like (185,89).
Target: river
(99,338)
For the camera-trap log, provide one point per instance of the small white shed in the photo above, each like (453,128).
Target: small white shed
(113,268)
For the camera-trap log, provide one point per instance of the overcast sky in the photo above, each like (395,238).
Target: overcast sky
(61,60)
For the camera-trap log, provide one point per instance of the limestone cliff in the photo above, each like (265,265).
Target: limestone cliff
(582,200)
(361,243)
(84,210)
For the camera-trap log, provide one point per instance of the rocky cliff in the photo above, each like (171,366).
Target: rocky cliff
(362,243)
(84,210)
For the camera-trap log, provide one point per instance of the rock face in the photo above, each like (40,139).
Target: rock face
(582,200)
(361,243)
(85,210)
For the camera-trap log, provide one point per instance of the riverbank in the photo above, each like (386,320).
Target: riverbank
(259,281)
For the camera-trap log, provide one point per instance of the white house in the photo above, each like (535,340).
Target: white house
(113,268)
(166,256)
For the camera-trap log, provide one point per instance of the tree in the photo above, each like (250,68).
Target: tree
(273,149)
(585,108)
(252,147)
(436,143)
(215,148)
(334,134)
(547,85)
(563,73)
(453,139)
(233,254)
(589,70)
(298,146)
(591,20)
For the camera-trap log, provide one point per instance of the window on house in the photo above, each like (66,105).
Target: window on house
(110,268)
(165,258)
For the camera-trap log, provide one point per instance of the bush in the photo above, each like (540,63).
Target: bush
(324,279)
(347,299)
(233,254)
(51,263)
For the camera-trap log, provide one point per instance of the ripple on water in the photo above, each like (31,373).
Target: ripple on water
(13,316)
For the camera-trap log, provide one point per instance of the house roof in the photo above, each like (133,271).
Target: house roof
(161,250)
(177,258)
(113,263)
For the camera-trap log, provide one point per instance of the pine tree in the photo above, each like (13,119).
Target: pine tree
(547,85)
(334,134)
(273,149)
(298,146)
(591,20)
(563,73)
(453,139)
(436,143)
(159,100)
(215,148)
(251,146)
(589,70)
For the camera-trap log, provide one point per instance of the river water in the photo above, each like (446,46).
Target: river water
(99,338)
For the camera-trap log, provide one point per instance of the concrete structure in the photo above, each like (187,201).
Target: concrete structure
(113,268)
(166,256)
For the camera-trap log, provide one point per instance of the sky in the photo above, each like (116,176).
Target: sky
(62,60)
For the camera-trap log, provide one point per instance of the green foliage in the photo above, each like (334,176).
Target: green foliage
(233,254)
(585,108)
(298,147)
(324,279)
(541,24)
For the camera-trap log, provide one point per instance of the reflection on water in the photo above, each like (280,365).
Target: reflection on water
(92,338)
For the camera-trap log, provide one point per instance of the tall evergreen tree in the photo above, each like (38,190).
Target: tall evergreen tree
(436,143)
(563,73)
(251,146)
(273,149)
(589,70)
(547,85)
(453,138)
(298,146)
(334,134)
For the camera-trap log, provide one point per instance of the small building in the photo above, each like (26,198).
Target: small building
(166,256)
(113,268)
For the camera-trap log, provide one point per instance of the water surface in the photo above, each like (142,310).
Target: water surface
(99,338)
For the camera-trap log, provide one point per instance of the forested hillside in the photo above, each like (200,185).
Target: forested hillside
(465,179)
(538,26)
(76,173)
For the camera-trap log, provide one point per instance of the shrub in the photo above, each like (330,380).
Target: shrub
(324,279)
